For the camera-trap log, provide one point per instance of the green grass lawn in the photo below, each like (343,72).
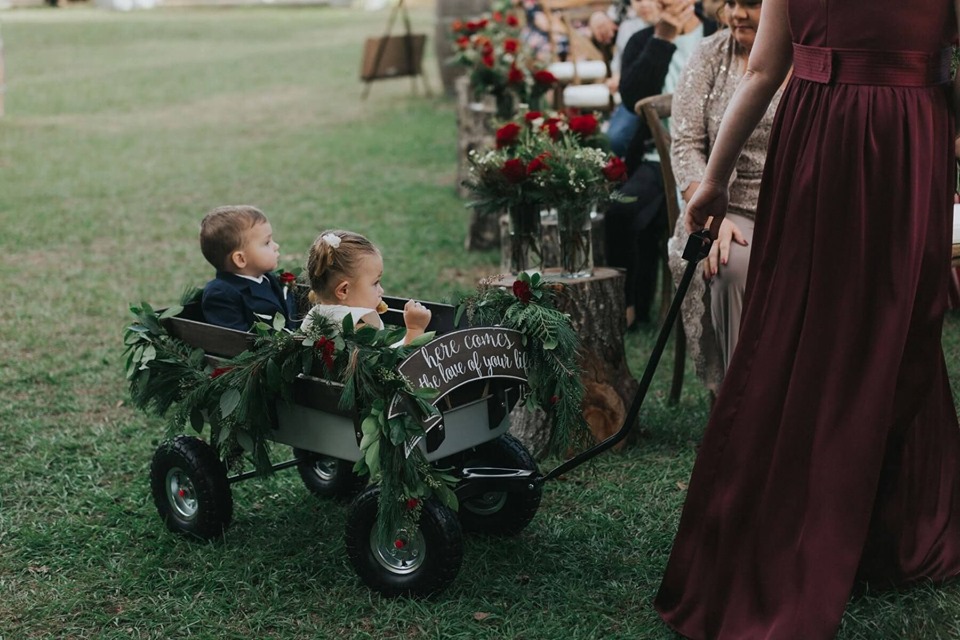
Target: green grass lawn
(121,131)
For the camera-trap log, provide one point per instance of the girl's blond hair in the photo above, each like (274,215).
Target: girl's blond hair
(328,264)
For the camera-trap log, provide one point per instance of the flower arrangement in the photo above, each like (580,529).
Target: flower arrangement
(499,64)
(549,161)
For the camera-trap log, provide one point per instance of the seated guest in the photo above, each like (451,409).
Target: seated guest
(623,123)
(652,62)
(711,310)
(238,242)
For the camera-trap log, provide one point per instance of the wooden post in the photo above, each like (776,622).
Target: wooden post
(596,310)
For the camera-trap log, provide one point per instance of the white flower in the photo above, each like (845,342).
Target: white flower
(331,239)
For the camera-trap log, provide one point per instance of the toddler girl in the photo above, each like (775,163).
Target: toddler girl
(345,271)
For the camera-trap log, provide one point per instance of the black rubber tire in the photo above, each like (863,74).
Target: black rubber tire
(328,477)
(190,488)
(500,513)
(440,549)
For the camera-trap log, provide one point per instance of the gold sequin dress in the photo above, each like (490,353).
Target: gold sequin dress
(711,311)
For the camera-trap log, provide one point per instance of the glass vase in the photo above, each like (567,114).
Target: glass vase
(575,229)
(506,107)
(523,251)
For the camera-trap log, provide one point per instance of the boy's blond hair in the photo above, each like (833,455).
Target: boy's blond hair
(326,262)
(223,230)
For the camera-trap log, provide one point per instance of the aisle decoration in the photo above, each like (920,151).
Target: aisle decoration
(497,61)
(552,345)
(547,161)
(234,397)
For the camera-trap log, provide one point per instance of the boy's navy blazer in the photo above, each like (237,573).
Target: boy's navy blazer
(231,301)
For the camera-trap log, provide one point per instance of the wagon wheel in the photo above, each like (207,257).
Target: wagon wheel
(190,488)
(500,512)
(328,477)
(417,564)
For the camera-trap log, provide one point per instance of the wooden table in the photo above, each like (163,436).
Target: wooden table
(596,308)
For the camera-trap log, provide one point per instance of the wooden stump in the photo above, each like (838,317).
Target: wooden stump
(596,310)
(474,132)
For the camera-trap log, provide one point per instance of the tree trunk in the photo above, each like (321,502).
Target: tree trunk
(475,132)
(596,310)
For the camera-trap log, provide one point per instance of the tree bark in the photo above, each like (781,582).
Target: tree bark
(596,310)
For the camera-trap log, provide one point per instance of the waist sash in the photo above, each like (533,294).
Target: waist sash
(863,66)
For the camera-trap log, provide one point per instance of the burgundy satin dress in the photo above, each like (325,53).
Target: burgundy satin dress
(833,452)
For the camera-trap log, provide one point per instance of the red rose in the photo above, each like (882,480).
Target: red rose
(515,76)
(510,45)
(219,371)
(482,24)
(544,77)
(326,348)
(522,290)
(538,164)
(507,134)
(472,26)
(552,127)
(463,42)
(530,116)
(616,170)
(483,44)
(487,60)
(412,503)
(584,126)
(512,21)
(287,278)
(514,171)
(457,26)
(497,16)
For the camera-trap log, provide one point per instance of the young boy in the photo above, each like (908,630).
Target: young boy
(238,242)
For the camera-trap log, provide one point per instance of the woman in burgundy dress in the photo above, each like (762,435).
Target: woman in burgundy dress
(833,452)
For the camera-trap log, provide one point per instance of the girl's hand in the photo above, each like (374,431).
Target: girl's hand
(707,207)
(720,249)
(416,317)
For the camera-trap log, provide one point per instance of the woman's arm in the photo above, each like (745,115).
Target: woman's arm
(644,66)
(770,61)
(691,143)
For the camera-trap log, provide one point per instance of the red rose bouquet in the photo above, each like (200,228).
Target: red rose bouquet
(498,63)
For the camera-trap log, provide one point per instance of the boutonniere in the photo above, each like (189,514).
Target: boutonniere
(287,279)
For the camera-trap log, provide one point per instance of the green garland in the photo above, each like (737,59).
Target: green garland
(553,370)
(169,378)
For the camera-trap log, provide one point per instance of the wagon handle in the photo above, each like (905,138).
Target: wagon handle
(696,249)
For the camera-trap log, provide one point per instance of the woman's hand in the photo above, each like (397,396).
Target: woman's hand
(720,249)
(602,28)
(708,205)
(674,14)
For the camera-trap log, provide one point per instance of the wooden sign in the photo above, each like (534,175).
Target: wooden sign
(392,57)
(459,357)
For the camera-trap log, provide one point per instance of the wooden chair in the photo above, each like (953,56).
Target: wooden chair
(655,110)
(585,64)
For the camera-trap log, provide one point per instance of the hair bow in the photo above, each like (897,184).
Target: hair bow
(331,239)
